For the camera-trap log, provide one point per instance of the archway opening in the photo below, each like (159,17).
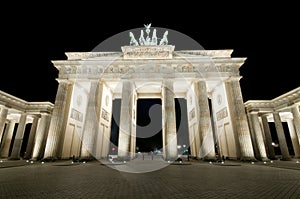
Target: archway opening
(149,126)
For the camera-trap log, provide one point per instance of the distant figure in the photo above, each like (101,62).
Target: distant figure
(164,40)
(133,41)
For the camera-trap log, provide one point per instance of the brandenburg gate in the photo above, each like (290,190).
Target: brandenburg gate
(149,68)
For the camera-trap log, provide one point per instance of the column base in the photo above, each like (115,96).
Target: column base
(209,158)
(86,158)
(49,159)
(248,159)
(286,159)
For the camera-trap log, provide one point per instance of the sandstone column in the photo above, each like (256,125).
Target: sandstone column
(3,115)
(268,137)
(169,121)
(207,149)
(7,139)
(294,138)
(296,120)
(59,114)
(32,134)
(261,155)
(239,119)
(133,127)
(41,136)
(92,119)
(15,154)
(281,137)
(125,120)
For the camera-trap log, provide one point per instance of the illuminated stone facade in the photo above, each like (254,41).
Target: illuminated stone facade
(79,123)
(90,81)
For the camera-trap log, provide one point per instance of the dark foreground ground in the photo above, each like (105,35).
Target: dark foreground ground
(62,179)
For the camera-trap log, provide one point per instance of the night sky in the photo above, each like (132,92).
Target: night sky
(34,34)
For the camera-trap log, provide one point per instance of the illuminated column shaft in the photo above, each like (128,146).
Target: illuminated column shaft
(15,154)
(239,119)
(32,134)
(281,137)
(294,138)
(7,139)
(3,115)
(296,120)
(133,128)
(58,119)
(169,121)
(91,121)
(207,149)
(125,120)
(105,141)
(258,136)
(41,136)
(268,137)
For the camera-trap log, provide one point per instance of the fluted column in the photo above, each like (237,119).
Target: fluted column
(15,154)
(268,137)
(252,134)
(207,149)
(91,125)
(41,136)
(3,115)
(58,119)
(281,137)
(133,127)
(7,139)
(239,119)
(261,153)
(169,121)
(192,142)
(32,134)
(296,120)
(294,138)
(125,120)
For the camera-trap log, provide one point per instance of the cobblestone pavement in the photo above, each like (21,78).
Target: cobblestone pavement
(195,180)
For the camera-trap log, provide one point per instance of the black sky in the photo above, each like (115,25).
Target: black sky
(34,34)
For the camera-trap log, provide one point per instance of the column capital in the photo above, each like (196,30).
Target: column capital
(254,112)
(230,79)
(67,81)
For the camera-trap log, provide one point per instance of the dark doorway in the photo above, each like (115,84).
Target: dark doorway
(13,139)
(183,141)
(276,141)
(25,139)
(115,122)
(149,125)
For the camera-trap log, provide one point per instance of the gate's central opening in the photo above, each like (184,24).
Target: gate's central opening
(149,125)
